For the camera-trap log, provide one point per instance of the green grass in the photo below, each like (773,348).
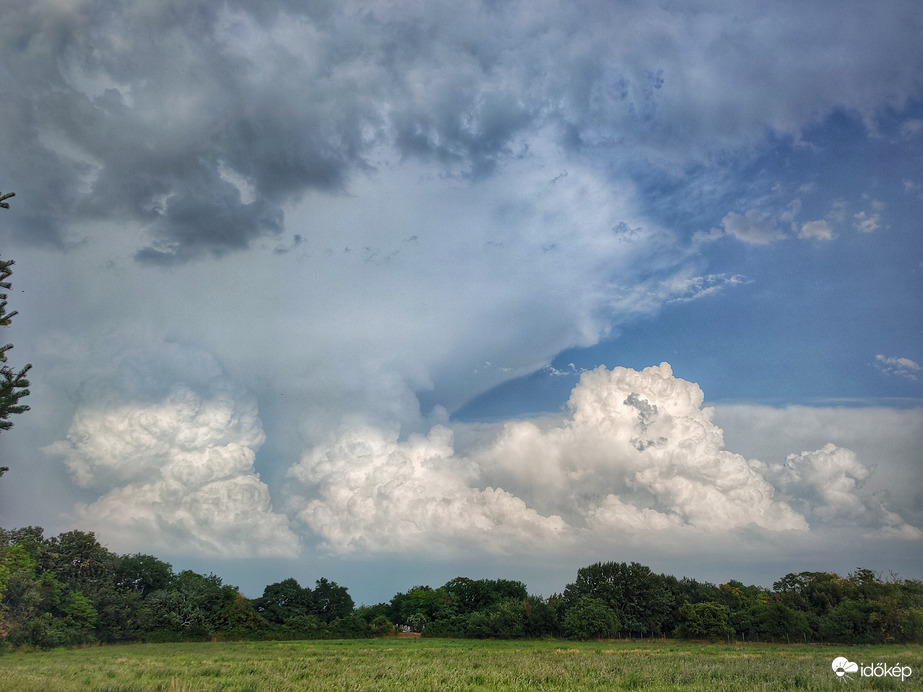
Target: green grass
(404,665)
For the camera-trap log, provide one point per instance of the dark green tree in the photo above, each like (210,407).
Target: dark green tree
(642,600)
(382,626)
(591,618)
(86,568)
(504,620)
(191,607)
(13,383)
(540,619)
(898,614)
(431,604)
(142,573)
(472,595)
(812,592)
(79,561)
(331,601)
(238,619)
(849,622)
(43,612)
(705,621)
(284,600)
(771,621)
(122,615)
(349,627)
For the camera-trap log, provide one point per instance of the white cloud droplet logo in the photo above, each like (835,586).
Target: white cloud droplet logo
(842,665)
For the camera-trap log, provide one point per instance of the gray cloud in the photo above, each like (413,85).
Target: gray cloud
(827,483)
(138,107)
(191,224)
(132,112)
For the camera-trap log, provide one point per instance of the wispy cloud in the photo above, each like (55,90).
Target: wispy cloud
(900,367)
(697,287)
(866,223)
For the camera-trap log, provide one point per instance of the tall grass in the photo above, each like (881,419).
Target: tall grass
(399,665)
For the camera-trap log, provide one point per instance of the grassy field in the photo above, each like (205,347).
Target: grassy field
(404,665)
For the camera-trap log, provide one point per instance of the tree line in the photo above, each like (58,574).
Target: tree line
(68,590)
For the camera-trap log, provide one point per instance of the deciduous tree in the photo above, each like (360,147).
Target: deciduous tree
(331,601)
(641,599)
(705,621)
(591,618)
(284,600)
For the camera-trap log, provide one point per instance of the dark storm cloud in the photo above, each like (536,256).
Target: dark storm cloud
(159,113)
(199,121)
(214,221)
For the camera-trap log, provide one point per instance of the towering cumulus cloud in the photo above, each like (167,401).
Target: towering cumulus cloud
(639,452)
(636,459)
(177,475)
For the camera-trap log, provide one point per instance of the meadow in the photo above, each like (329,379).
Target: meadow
(445,665)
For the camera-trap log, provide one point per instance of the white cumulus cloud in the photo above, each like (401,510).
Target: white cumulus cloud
(637,457)
(379,494)
(614,515)
(637,454)
(754,227)
(819,230)
(639,449)
(866,223)
(177,475)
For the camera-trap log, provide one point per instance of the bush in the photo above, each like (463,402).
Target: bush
(350,627)
(382,627)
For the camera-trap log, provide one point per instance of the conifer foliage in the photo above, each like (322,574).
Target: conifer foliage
(13,383)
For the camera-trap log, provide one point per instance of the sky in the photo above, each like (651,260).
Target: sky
(393,292)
